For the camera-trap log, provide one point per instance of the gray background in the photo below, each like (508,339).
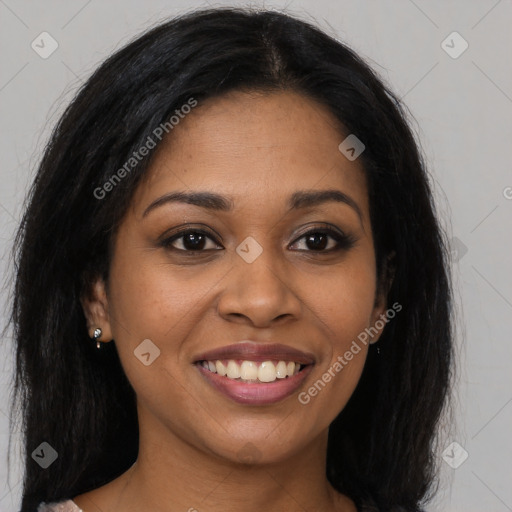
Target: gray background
(462,109)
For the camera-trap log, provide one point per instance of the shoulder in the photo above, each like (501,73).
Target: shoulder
(59,506)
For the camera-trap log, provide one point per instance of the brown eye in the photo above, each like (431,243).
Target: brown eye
(189,240)
(317,240)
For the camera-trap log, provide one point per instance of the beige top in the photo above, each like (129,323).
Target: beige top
(59,506)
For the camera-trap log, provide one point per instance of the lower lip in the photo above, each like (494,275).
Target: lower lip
(254,393)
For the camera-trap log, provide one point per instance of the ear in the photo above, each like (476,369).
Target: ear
(379,318)
(95,305)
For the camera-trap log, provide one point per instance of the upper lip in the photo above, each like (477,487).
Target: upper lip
(256,351)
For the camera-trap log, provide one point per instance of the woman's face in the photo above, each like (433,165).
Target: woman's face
(255,275)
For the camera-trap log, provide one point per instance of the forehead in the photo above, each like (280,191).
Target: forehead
(257,147)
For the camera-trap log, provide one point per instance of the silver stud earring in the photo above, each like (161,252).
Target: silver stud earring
(96,335)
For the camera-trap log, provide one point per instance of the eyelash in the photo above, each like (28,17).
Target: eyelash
(344,242)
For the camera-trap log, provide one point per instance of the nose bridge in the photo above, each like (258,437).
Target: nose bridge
(258,285)
(259,267)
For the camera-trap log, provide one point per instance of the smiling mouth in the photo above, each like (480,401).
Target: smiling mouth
(253,371)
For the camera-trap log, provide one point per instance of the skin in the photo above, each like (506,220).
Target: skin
(259,149)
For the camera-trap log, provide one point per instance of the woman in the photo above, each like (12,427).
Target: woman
(231,286)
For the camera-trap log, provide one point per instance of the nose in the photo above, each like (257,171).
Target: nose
(259,293)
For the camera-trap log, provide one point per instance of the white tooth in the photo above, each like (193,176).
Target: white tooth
(249,370)
(281,371)
(204,364)
(212,367)
(267,372)
(233,370)
(290,368)
(297,368)
(221,369)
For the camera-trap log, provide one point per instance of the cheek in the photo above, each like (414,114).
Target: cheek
(151,299)
(344,308)
(151,302)
(340,368)
(346,301)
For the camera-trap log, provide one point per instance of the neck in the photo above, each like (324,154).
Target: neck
(172,474)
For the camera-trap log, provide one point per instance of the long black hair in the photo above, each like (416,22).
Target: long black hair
(381,448)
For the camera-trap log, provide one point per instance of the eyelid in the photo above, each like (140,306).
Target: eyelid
(182,230)
(325,226)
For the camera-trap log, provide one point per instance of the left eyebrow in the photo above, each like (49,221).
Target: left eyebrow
(212,201)
(308,198)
